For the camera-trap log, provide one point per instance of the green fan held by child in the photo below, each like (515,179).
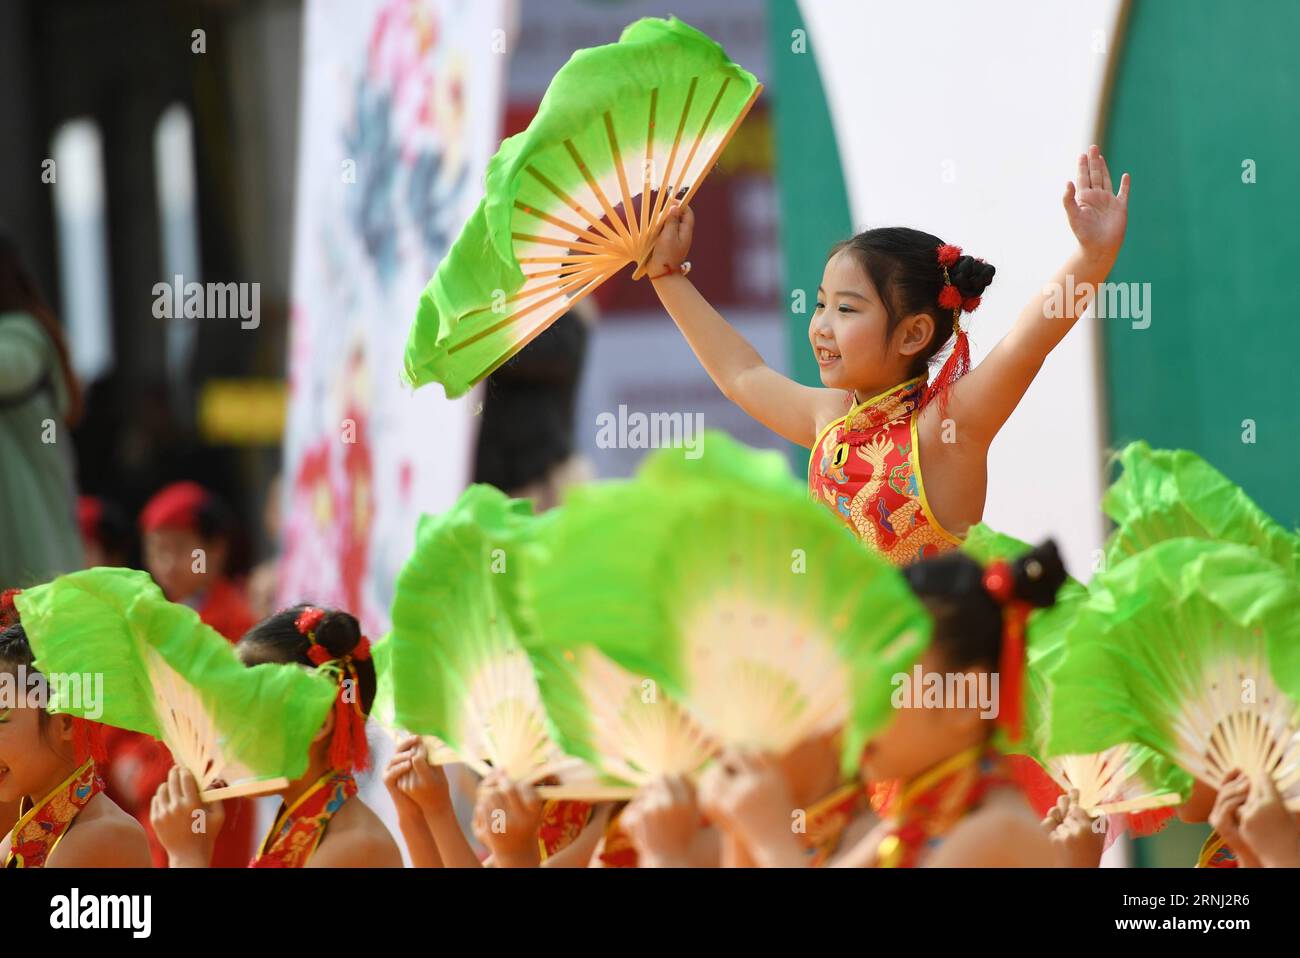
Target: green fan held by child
(888,302)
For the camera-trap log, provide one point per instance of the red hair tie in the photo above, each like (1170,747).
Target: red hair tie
(8,611)
(958,363)
(999,582)
(349,750)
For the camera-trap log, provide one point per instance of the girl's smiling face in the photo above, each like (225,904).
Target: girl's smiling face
(849,332)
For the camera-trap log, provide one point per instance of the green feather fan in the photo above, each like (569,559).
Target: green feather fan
(1165,494)
(453,667)
(746,602)
(1191,648)
(623,130)
(168,675)
(1125,777)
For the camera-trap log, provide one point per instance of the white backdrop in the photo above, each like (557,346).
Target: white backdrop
(966,120)
(401,107)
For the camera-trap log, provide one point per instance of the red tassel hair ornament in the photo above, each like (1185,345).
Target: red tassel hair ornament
(958,363)
(349,750)
(1000,584)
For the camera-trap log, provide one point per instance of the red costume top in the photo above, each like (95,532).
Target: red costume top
(828,818)
(562,822)
(920,814)
(299,828)
(38,831)
(866,468)
(1216,854)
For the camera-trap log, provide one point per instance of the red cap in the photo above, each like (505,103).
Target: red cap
(174,507)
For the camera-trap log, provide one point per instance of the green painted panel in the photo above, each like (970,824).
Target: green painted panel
(1202,88)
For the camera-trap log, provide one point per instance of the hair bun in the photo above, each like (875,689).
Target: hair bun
(971,276)
(1039,575)
(339,632)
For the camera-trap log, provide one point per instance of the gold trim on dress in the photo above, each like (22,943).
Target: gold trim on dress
(854,410)
(914,456)
(27,816)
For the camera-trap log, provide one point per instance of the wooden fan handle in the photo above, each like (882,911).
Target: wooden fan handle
(261,786)
(587,793)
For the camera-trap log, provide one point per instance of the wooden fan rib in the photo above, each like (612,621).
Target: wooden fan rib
(614,219)
(649,162)
(722,144)
(243,789)
(595,221)
(571,280)
(560,242)
(599,277)
(660,199)
(629,211)
(603,242)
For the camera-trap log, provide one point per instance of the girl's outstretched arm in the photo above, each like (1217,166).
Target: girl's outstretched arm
(789,409)
(982,401)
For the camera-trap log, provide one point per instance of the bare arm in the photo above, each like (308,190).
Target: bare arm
(982,401)
(789,409)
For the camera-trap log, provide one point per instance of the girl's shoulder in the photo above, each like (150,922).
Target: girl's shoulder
(356,838)
(102,836)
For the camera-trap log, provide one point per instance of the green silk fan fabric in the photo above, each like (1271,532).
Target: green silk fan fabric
(110,622)
(603,99)
(633,568)
(1164,494)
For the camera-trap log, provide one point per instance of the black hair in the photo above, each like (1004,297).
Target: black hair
(277,639)
(15,652)
(967,619)
(903,265)
(115,531)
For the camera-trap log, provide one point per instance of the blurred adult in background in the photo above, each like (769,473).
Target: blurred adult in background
(39,400)
(526,442)
(107,534)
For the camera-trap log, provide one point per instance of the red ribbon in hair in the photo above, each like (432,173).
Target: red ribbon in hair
(349,750)
(8,611)
(958,363)
(1000,584)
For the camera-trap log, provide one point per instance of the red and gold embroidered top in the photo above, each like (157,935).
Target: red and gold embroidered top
(828,818)
(866,468)
(1215,853)
(38,830)
(562,822)
(919,815)
(299,828)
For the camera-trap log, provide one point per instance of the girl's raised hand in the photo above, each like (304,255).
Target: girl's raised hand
(1097,215)
(185,826)
(674,240)
(1268,828)
(662,821)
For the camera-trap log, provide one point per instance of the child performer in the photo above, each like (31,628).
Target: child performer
(322,823)
(957,804)
(47,765)
(889,301)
